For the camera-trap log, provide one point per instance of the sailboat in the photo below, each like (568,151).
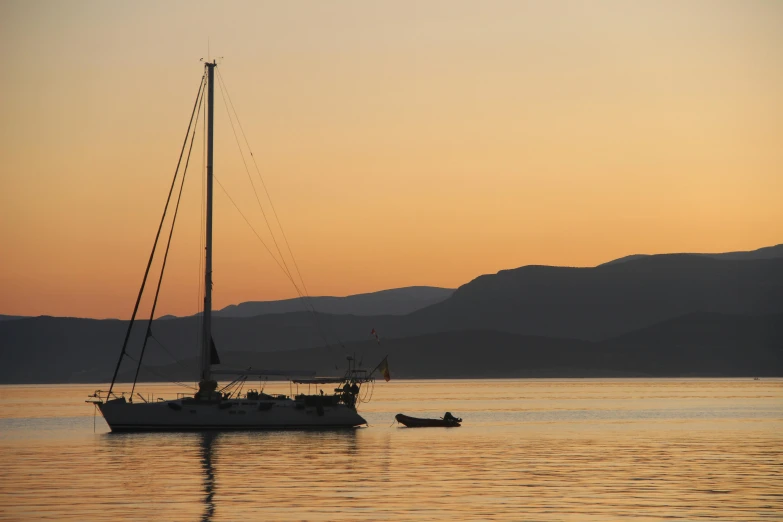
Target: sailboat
(213,408)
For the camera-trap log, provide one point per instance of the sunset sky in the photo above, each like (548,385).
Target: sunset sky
(403,143)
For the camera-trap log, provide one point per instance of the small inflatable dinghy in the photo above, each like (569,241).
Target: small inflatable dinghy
(448,421)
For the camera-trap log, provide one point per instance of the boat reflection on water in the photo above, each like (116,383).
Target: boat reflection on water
(211,475)
(238,467)
(549,449)
(208,440)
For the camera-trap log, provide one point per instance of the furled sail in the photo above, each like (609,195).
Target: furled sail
(214,358)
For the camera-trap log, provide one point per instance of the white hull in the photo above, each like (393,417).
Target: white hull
(241,414)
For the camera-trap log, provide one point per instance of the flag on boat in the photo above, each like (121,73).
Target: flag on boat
(384,369)
(374,333)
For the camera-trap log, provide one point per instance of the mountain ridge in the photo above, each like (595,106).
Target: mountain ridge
(769,252)
(394,301)
(491,354)
(604,301)
(592,304)
(435,294)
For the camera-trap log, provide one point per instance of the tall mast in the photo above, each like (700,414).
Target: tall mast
(206,360)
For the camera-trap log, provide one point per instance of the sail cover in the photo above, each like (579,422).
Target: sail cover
(214,358)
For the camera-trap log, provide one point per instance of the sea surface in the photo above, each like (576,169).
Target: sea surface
(573,449)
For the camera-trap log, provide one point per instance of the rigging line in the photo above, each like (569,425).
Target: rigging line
(284,266)
(305,296)
(168,352)
(287,274)
(155,244)
(247,170)
(201,304)
(256,233)
(150,369)
(263,184)
(309,306)
(202,235)
(241,385)
(371,386)
(168,246)
(231,384)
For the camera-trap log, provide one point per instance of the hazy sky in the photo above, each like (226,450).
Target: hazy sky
(403,143)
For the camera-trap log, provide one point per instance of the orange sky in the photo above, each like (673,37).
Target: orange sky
(404,143)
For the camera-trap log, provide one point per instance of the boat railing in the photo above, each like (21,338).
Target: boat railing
(101,396)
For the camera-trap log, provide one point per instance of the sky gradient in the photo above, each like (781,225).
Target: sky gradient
(403,143)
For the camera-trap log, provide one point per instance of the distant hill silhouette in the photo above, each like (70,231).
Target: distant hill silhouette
(599,305)
(770,252)
(34,346)
(608,300)
(11,317)
(703,343)
(397,301)
(694,345)
(449,354)
(697,344)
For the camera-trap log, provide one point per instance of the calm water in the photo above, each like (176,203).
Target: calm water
(681,449)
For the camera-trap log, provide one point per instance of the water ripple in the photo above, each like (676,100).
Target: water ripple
(554,450)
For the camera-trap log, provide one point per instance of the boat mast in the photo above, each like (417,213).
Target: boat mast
(206,360)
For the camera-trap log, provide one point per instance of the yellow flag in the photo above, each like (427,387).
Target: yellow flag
(384,369)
